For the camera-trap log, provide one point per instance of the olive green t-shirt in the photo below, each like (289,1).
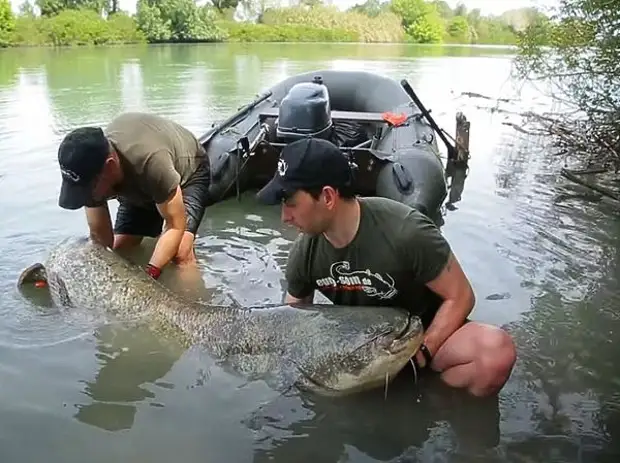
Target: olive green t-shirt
(395,252)
(157,155)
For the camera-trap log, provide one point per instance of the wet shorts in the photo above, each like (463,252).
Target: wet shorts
(147,221)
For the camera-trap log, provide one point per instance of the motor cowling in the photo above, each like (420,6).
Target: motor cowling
(305,112)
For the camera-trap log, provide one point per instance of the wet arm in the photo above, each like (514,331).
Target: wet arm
(458,301)
(430,257)
(173,212)
(100,224)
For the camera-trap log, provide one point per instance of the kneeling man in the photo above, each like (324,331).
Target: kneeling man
(398,256)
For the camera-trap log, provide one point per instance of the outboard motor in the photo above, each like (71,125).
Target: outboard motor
(305,112)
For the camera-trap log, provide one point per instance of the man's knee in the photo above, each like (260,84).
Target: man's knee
(498,348)
(496,358)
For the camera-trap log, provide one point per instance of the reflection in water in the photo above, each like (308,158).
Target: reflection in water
(413,423)
(129,358)
(456,177)
(132,86)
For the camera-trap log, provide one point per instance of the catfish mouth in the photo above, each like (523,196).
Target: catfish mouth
(391,351)
(409,338)
(33,275)
(33,285)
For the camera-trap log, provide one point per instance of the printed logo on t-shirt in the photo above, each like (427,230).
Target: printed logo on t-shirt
(343,279)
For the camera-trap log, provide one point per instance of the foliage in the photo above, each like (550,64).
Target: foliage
(421,20)
(248,32)
(371,8)
(86,22)
(458,30)
(383,27)
(75,27)
(7,23)
(577,52)
(54,7)
(177,20)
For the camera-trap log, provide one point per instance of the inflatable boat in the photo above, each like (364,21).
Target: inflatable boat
(379,123)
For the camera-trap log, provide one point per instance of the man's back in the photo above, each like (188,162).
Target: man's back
(156,154)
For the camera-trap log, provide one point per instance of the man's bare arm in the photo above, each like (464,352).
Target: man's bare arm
(100,224)
(173,212)
(458,301)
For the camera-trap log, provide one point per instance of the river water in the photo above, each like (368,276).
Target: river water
(544,266)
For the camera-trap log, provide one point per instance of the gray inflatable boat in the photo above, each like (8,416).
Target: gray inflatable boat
(373,119)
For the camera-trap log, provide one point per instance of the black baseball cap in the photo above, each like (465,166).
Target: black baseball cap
(81,156)
(306,163)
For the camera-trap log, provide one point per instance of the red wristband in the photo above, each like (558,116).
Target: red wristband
(153,271)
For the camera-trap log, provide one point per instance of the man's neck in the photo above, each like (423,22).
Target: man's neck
(120,174)
(346,224)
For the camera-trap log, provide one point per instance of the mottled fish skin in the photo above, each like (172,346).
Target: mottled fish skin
(331,350)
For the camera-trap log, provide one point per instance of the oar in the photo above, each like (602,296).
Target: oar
(429,118)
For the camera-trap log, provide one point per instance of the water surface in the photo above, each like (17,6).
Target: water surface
(543,268)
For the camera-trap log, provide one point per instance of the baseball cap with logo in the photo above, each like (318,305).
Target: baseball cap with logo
(306,163)
(81,156)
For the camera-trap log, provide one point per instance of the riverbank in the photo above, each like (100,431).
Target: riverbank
(394,23)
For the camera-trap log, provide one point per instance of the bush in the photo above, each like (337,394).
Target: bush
(385,27)
(7,23)
(248,32)
(76,27)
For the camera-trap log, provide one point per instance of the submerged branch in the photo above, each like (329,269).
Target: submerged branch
(591,185)
(593,141)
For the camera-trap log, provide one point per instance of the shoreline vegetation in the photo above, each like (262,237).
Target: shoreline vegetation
(100,22)
(577,56)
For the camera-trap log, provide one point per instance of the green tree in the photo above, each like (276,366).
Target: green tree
(7,23)
(177,20)
(372,8)
(443,9)
(223,5)
(152,23)
(421,20)
(458,30)
(53,7)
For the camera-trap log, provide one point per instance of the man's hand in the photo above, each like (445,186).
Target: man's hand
(100,224)
(173,212)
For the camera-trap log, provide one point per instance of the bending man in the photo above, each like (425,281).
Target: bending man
(157,170)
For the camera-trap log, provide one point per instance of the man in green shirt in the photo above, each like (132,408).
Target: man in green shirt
(376,251)
(157,170)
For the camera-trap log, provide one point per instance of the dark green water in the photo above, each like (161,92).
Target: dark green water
(72,390)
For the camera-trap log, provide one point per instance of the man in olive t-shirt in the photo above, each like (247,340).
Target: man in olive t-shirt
(376,251)
(383,265)
(156,169)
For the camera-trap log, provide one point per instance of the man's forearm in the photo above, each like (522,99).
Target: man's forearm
(100,225)
(167,247)
(105,237)
(449,318)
